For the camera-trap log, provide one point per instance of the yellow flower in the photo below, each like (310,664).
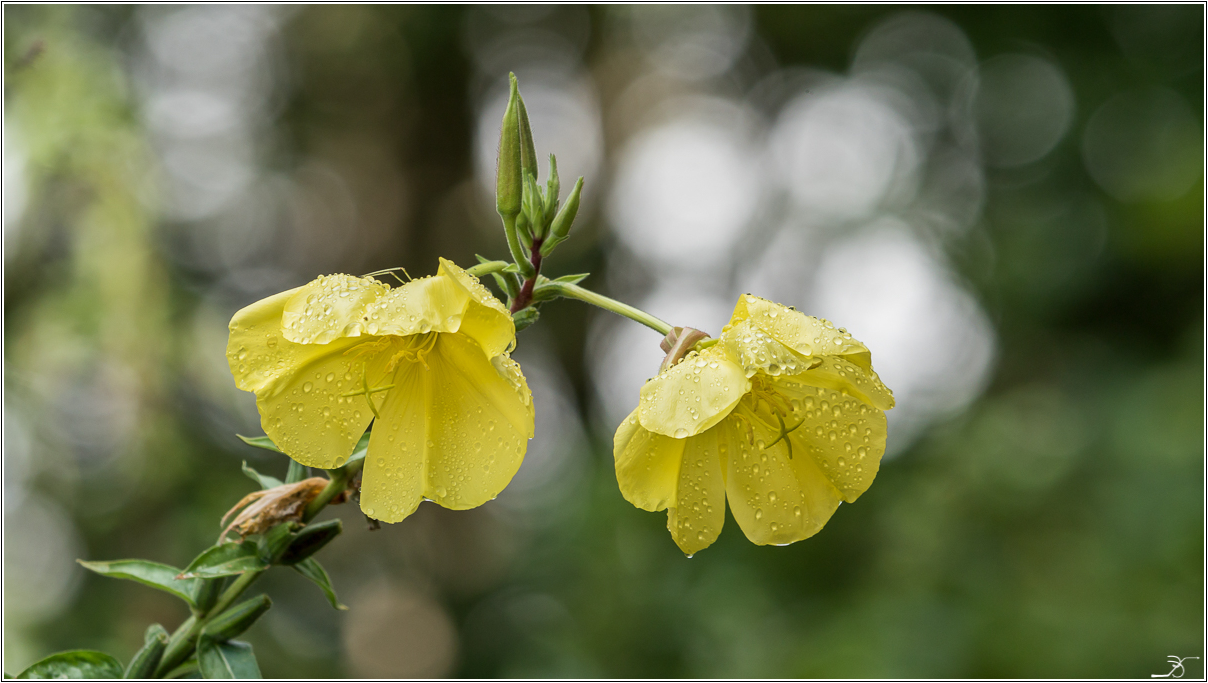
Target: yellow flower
(782,417)
(427,361)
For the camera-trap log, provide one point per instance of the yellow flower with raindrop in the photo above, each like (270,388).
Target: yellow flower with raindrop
(427,362)
(782,416)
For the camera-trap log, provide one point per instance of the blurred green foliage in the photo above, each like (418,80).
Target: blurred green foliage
(1054,529)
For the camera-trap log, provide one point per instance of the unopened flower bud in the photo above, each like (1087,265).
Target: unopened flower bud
(560,228)
(534,207)
(309,540)
(528,151)
(143,664)
(275,541)
(237,619)
(552,188)
(509,181)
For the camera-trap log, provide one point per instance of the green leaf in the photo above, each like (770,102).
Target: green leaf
(75,664)
(152,574)
(260,442)
(572,279)
(267,444)
(265,481)
(311,569)
(358,453)
(225,559)
(230,659)
(525,317)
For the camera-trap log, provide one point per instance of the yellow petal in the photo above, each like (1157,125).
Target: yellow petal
(837,372)
(692,395)
(256,351)
(486,320)
(426,304)
(392,484)
(699,512)
(844,436)
(479,424)
(305,412)
(464,419)
(756,351)
(647,465)
(331,307)
(774,498)
(807,335)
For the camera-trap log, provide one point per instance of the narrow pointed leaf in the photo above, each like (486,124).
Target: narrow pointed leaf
(230,659)
(260,442)
(572,279)
(225,559)
(152,574)
(265,481)
(311,569)
(75,664)
(362,447)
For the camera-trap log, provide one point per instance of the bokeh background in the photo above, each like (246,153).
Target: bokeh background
(1004,202)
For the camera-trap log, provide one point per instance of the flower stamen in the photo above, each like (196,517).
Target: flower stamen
(368,391)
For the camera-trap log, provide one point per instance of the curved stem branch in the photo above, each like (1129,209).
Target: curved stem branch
(635,314)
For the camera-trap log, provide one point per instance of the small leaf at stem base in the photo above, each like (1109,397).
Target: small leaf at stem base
(230,659)
(75,664)
(314,571)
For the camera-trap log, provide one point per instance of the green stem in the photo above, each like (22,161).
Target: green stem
(518,255)
(335,485)
(487,268)
(637,315)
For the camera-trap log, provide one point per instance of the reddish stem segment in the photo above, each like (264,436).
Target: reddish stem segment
(525,297)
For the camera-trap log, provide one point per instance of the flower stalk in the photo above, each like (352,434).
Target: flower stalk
(587,296)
